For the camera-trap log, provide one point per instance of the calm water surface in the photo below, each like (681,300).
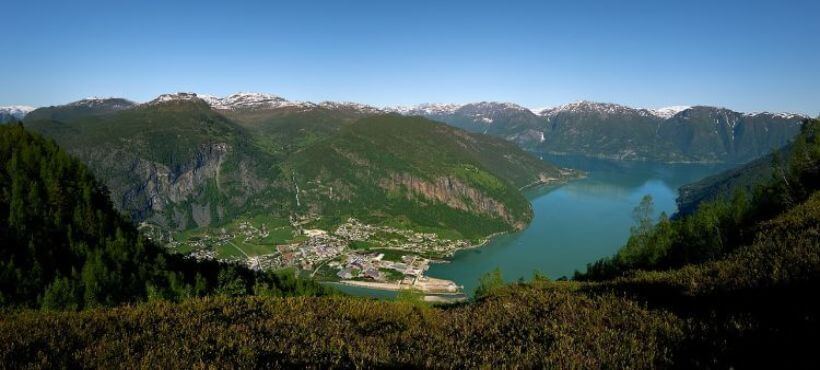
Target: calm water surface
(575,223)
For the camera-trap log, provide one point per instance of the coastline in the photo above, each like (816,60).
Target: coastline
(424,284)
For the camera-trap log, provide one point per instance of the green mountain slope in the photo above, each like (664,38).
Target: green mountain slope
(79,109)
(724,184)
(744,178)
(417,171)
(178,164)
(695,134)
(718,227)
(63,245)
(721,135)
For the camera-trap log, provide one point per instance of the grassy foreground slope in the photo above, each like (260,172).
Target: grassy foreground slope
(526,326)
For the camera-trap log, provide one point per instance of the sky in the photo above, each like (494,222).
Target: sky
(744,55)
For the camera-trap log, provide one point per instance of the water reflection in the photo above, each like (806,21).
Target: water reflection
(575,223)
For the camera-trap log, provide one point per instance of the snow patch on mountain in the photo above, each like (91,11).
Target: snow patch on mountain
(251,100)
(16,111)
(668,112)
(585,106)
(426,109)
(783,115)
(357,107)
(96,101)
(180,96)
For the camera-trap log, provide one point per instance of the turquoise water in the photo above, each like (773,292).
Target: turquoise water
(575,223)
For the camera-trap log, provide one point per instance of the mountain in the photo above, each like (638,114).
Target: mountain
(729,286)
(173,161)
(604,130)
(64,246)
(14,113)
(725,184)
(672,134)
(722,135)
(78,109)
(507,120)
(185,161)
(431,174)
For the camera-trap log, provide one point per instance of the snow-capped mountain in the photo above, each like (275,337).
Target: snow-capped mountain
(585,106)
(667,112)
(426,109)
(14,112)
(250,100)
(261,101)
(783,115)
(97,102)
(173,97)
(350,106)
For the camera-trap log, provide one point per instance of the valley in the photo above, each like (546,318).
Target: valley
(384,257)
(349,192)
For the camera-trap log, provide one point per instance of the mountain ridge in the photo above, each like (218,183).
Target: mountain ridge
(179,163)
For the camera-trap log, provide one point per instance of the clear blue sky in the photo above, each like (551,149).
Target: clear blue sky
(745,55)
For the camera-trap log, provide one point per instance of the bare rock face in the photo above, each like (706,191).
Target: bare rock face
(450,191)
(159,187)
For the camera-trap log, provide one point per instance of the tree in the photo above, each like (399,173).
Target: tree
(642,214)
(61,295)
(230,283)
(489,283)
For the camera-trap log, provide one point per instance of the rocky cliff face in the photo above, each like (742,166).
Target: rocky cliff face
(453,192)
(166,195)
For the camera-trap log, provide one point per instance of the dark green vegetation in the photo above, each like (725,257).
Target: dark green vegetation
(729,286)
(723,185)
(697,134)
(716,229)
(179,164)
(63,245)
(526,326)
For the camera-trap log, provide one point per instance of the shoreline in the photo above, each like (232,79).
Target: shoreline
(424,284)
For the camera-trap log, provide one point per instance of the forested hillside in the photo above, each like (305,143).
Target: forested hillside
(180,162)
(63,245)
(719,227)
(425,173)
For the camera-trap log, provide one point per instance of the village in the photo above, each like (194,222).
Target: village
(355,253)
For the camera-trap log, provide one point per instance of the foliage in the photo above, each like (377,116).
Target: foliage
(527,327)
(489,283)
(717,228)
(62,244)
(249,163)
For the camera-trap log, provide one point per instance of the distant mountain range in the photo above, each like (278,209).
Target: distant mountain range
(673,134)
(184,161)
